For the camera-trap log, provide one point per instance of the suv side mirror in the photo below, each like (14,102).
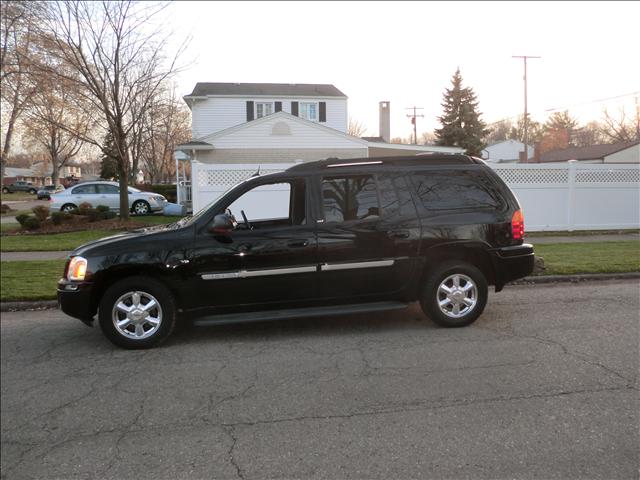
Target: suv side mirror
(222,224)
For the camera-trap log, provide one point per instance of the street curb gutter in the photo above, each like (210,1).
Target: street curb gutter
(587,277)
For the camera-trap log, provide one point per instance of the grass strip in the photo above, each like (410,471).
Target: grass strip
(52,242)
(590,257)
(32,280)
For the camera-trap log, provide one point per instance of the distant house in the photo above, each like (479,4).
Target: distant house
(40,174)
(507,151)
(622,152)
(271,123)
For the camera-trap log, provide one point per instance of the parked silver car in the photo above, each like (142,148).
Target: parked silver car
(106,193)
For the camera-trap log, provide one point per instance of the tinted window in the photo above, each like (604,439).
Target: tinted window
(107,189)
(394,196)
(84,189)
(454,190)
(349,198)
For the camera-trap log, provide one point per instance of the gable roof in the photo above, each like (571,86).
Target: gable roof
(592,152)
(203,89)
(274,116)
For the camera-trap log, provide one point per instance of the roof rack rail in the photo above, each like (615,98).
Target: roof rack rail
(421,160)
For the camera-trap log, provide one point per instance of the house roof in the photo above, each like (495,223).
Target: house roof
(202,89)
(18,172)
(592,152)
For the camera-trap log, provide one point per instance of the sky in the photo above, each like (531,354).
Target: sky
(407,52)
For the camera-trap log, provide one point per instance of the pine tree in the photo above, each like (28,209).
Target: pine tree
(461,123)
(109,162)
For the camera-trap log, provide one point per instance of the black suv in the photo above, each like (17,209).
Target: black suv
(327,237)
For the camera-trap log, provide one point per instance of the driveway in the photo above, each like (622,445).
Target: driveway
(542,386)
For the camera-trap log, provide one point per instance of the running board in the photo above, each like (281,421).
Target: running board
(267,315)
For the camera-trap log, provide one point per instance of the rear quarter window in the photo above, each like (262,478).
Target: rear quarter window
(455,190)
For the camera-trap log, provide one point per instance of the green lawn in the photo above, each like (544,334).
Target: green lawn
(52,242)
(8,227)
(17,196)
(33,280)
(590,257)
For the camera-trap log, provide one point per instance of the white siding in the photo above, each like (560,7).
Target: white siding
(302,135)
(219,113)
(507,150)
(628,155)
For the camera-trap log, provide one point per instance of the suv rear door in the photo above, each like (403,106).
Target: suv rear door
(368,235)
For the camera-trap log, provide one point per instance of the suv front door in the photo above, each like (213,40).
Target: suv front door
(368,236)
(268,260)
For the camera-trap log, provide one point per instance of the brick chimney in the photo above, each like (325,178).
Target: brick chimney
(385,121)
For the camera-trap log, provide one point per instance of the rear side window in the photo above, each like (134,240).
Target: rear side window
(455,190)
(349,198)
(394,196)
(84,189)
(107,189)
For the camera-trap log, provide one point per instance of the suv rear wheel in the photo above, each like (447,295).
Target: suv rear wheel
(137,312)
(454,294)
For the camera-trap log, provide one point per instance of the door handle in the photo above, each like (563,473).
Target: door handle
(398,234)
(297,243)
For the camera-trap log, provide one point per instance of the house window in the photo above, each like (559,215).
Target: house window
(309,111)
(263,109)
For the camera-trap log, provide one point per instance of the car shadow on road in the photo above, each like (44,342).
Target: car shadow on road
(335,325)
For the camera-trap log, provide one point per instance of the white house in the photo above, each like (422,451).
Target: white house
(238,128)
(507,151)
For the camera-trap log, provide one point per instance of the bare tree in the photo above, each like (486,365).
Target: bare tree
(119,64)
(18,30)
(356,128)
(590,134)
(624,127)
(168,124)
(427,138)
(58,120)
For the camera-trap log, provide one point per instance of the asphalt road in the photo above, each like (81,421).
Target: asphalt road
(544,385)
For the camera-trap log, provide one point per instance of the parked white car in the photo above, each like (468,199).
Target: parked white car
(106,193)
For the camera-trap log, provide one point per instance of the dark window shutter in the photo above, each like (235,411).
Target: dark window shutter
(249,111)
(278,106)
(294,108)
(323,111)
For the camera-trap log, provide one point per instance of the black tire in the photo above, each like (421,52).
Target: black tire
(146,287)
(140,207)
(431,296)
(33,191)
(6,190)
(68,207)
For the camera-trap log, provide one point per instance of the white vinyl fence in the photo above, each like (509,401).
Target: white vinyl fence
(559,196)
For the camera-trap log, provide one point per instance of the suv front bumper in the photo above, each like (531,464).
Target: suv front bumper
(511,263)
(75,300)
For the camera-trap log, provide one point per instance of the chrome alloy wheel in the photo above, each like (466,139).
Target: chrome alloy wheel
(457,295)
(136,315)
(141,208)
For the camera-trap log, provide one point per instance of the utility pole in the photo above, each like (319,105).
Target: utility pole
(526,115)
(414,122)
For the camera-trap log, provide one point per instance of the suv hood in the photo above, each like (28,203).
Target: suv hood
(121,242)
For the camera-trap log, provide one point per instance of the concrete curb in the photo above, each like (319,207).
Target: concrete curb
(587,277)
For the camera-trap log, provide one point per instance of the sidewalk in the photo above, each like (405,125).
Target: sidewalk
(22,256)
(617,237)
(605,237)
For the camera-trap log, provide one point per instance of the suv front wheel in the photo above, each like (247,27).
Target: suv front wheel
(137,312)
(454,294)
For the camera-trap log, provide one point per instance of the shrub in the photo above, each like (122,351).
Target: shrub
(167,190)
(84,208)
(102,208)
(58,217)
(22,218)
(41,212)
(31,223)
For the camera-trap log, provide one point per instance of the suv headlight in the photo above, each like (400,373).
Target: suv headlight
(77,269)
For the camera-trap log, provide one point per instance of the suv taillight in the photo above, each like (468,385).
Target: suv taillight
(517,225)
